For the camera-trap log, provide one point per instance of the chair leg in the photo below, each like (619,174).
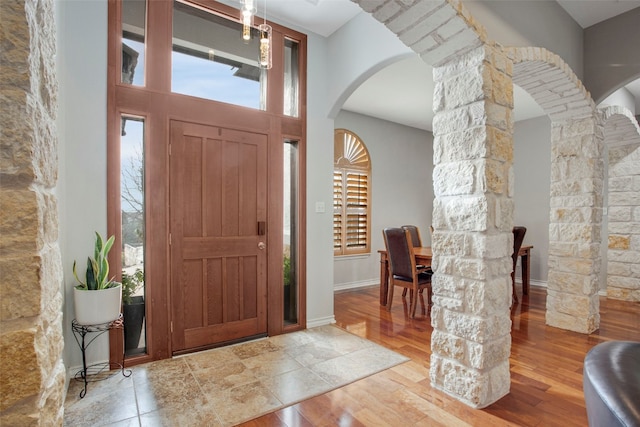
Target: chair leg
(513,286)
(390,296)
(404,292)
(414,301)
(422,304)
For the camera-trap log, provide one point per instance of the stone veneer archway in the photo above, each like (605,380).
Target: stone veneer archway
(32,376)
(473,187)
(622,140)
(577,182)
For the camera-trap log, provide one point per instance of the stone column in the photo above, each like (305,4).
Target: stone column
(577,176)
(32,375)
(623,278)
(473,221)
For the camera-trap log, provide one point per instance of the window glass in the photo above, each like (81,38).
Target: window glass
(133,233)
(291,80)
(210,59)
(133,37)
(290,227)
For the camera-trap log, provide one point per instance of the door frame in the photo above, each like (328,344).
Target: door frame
(158,106)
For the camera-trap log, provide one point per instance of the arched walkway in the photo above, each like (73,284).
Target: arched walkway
(622,140)
(473,206)
(577,182)
(473,186)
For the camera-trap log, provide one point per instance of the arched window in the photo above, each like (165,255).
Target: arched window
(351,195)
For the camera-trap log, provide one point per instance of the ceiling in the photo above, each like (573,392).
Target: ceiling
(408,95)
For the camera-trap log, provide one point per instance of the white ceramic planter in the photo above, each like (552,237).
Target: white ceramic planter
(96,307)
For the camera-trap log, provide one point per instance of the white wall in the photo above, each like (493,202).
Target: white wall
(623,98)
(319,186)
(532,23)
(402,189)
(356,51)
(82,185)
(532,169)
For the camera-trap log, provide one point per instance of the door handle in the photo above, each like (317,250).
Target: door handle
(262,245)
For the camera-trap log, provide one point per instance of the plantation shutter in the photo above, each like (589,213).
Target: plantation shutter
(351,195)
(357,186)
(338,207)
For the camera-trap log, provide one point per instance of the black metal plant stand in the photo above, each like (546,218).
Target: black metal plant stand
(94,372)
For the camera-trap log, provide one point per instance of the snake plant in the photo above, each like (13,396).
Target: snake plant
(97,275)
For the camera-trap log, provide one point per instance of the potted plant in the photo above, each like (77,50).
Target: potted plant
(97,299)
(132,309)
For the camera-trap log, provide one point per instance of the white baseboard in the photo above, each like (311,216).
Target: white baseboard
(354,285)
(313,323)
(538,283)
(375,282)
(541,284)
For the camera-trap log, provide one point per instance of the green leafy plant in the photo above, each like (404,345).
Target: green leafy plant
(97,275)
(287,270)
(130,284)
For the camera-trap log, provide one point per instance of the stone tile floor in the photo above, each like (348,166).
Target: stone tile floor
(229,385)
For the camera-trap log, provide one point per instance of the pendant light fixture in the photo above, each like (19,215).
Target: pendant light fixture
(265,31)
(248,11)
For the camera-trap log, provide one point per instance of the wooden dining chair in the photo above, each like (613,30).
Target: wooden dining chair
(518,238)
(414,231)
(402,267)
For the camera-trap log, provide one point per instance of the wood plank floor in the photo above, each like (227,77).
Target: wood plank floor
(546,370)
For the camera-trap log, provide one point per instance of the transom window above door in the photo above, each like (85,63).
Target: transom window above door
(210,60)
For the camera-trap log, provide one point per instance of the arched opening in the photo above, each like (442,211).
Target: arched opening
(576,187)
(621,266)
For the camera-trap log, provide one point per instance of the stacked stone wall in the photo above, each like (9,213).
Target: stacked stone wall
(577,183)
(32,375)
(622,137)
(473,183)
(623,278)
(577,179)
(438,31)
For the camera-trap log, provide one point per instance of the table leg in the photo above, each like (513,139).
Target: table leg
(525,260)
(384,280)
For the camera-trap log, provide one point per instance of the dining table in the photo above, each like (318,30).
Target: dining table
(423,256)
(525,260)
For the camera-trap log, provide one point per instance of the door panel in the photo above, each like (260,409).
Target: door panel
(218,188)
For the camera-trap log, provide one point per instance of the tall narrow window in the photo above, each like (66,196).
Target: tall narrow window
(290,231)
(133,233)
(351,195)
(291,79)
(133,37)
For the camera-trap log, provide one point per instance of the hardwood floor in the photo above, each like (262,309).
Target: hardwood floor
(546,370)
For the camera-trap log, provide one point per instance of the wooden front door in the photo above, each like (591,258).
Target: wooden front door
(218,217)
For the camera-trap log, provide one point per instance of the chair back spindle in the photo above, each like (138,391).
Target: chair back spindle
(415,235)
